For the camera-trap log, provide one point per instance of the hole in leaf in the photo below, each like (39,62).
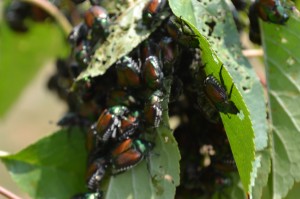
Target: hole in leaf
(97,59)
(211,26)
(245,88)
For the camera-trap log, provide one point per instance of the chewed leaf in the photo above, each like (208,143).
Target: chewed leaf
(219,45)
(126,33)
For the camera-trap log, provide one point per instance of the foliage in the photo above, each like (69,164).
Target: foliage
(52,167)
(266,157)
(283,77)
(25,68)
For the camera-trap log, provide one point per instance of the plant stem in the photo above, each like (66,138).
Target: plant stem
(8,194)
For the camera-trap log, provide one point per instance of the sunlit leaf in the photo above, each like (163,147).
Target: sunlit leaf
(54,167)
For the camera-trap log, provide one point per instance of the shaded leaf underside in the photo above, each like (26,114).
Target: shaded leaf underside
(283,67)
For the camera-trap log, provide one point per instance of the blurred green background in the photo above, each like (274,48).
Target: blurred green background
(28,110)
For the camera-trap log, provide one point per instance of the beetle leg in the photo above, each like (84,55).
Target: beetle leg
(182,28)
(230,92)
(221,77)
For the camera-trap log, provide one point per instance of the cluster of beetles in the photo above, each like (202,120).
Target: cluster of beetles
(129,97)
(133,106)
(120,110)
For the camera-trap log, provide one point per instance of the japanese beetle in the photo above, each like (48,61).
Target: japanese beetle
(208,109)
(217,95)
(128,72)
(239,4)
(95,195)
(92,143)
(181,32)
(95,2)
(148,48)
(169,53)
(73,119)
(128,154)
(128,125)
(226,164)
(78,34)
(15,14)
(222,181)
(176,89)
(151,9)
(120,97)
(78,1)
(96,18)
(94,15)
(152,73)
(153,109)
(109,122)
(82,53)
(75,69)
(215,92)
(271,11)
(95,173)
(95,148)
(254,32)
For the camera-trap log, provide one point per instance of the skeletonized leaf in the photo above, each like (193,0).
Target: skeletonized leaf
(126,32)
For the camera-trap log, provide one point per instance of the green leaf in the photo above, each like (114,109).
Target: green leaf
(160,177)
(159,181)
(294,192)
(283,69)
(263,166)
(126,33)
(22,55)
(54,167)
(219,43)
